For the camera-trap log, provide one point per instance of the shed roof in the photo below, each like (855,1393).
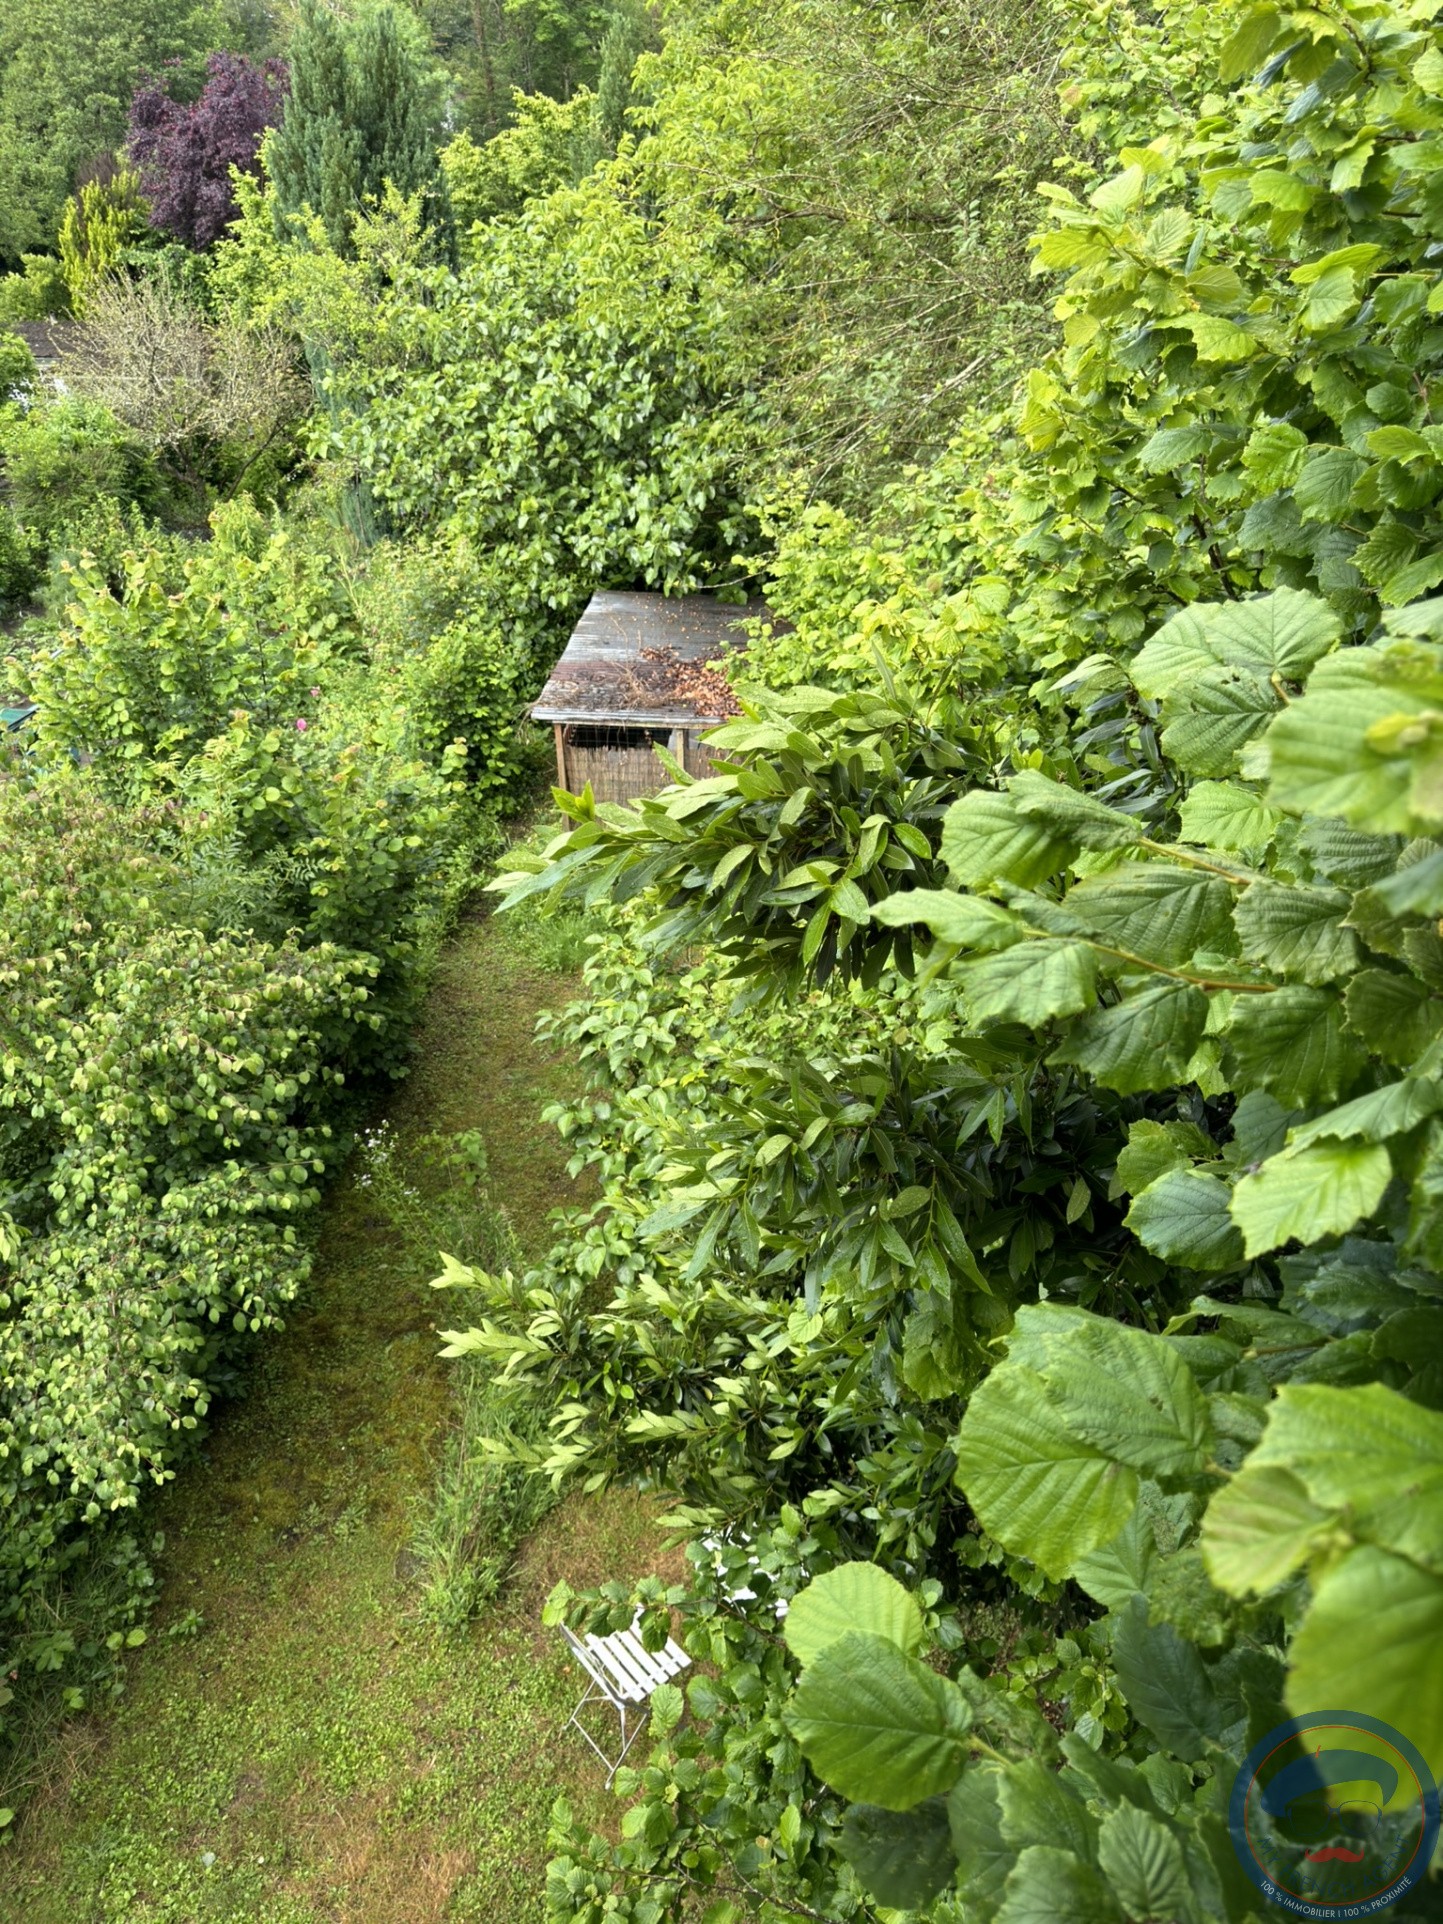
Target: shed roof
(640,658)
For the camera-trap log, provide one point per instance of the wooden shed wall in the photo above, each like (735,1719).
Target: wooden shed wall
(615,774)
(697,760)
(626,766)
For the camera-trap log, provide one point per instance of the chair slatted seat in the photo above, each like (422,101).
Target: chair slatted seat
(622,1673)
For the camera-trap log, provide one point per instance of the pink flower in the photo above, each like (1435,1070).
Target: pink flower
(301,724)
(314,693)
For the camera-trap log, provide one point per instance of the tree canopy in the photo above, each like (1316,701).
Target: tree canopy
(362,111)
(67,74)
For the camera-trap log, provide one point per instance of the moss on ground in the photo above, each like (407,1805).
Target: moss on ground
(296,1745)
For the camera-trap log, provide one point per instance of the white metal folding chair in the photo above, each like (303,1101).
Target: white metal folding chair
(623,1673)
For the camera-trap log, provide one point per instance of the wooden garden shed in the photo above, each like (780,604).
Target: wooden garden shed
(635,675)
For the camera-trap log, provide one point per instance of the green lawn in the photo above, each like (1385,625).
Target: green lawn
(314,1750)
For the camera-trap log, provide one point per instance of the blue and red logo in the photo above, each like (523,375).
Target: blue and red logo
(1334,1815)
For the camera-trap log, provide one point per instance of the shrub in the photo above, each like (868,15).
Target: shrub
(17,367)
(20,571)
(37,293)
(169,1100)
(66,459)
(563,406)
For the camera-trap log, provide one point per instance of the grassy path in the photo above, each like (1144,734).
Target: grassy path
(313,1750)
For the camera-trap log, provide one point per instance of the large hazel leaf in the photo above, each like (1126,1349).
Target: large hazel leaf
(1039,1807)
(1048,1886)
(1143,1862)
(1048,1457)
(1035,1485)
(1184,1217)
(1145,1041)
(1221,815)
(1072,816)
(853,1596)
(1347,855)
(903,1857)
(1394,1014)
(1282,633)
(1370,1642)
(1296,930)
(877,1725)
(1115,1574)
(1307,1194)
(1320,755)
(1325,486)
(1155,1147)
(1259,1529)
(1208,722)
(1390,1111)
(1415,889)
(1121,1388)
(1368,1454)
(1161,911)
(1250,43)
(1291,1042)
(1166,1683)
(1129,1393)
(986,838)
(983,1855)
(1032,982)
(969,921)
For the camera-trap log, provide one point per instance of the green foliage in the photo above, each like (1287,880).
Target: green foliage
(519,398)
(438,1193)
(362,112)
(1325,1485)
(498,50)
(20,571)
(17,366)
(150,1220)
(1193,927)
(547,146)
(233,688)
(99,223)
(36,293)
(141,680)
(66,461)
(67,72)
(630,32)
(228,873)
(862,178)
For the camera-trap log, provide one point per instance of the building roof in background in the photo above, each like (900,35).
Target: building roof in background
(46,340)
(642,659)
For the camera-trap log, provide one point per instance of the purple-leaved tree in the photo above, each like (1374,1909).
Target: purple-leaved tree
(184,150)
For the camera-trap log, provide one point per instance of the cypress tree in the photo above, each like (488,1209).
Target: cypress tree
(630,32)
(360,113)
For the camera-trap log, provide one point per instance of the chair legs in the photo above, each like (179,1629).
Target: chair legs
(628,1735)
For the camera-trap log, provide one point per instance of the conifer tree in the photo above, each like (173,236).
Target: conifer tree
(630,32)
(361,112)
